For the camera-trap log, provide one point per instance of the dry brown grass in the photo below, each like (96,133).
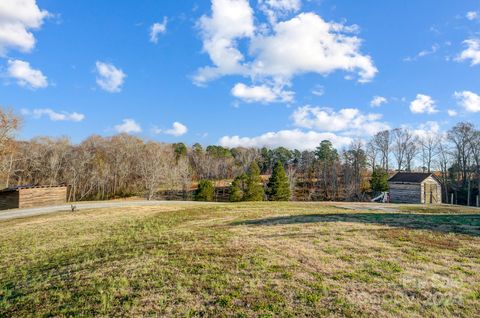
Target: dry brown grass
(243,260)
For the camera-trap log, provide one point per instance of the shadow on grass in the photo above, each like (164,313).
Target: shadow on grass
(461,224)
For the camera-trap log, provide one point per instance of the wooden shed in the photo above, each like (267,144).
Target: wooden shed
(32,196)
(415,187)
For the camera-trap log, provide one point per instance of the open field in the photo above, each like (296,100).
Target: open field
(243,260)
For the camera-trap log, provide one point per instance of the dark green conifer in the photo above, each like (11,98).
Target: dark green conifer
(254,190)
(278,186)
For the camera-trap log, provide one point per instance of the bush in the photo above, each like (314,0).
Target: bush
(205,191)
(237,189)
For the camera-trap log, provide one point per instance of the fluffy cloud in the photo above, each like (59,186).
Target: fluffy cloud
(308,44)
(278,52)
(469,101)
(261,93)
(128,126)
(177,130)
(423,104)
(230,21)
(293,139)
(472,15)
(348,120)
(472,52)
(17,19)
(109,78)
(25,75)
(378,101)
(53,115)
(158,28)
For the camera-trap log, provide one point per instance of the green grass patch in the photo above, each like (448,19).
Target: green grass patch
(241,260)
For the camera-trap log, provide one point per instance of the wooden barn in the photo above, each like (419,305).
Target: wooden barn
(415,187)
(32,196)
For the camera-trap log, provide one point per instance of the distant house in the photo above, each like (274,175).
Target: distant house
(415,187)
(32,196)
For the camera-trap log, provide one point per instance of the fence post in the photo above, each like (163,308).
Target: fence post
(451,199)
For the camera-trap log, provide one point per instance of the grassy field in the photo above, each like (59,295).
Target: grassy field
(243,260)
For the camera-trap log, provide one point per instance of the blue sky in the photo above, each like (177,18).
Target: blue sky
(238,72)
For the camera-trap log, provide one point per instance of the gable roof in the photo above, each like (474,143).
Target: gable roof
(410,177)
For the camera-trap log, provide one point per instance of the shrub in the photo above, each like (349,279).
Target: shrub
(205,191)
(237,189)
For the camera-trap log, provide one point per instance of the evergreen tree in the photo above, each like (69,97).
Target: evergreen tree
(180,150)
(205,191)
(379,181)
(237,189)
(254,190)
(278,186)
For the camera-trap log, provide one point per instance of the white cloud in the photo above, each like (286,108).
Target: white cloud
(53,115)
(318,90)
(472,52)
(230,21)
(177,130)
(472,15)
(469,101)
(378,101)
(428,129)
(452,113)
(128,126)
(17,19)
(158,28)
(292,139)
(275,9)
(261,94)
(423,104)
(26,75)
(423,53)
(308,44)
(279,52)
(348,120)
(109,78)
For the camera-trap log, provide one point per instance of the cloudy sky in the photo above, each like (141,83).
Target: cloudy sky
(239,72)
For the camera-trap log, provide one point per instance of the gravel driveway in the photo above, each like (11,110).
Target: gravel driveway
(20,213)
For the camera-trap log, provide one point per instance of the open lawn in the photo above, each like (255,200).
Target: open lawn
(243,260)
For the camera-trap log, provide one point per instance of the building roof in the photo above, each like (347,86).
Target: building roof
(28,186)
(410,177)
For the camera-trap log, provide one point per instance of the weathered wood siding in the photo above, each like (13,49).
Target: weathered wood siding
(405,192)
(431,191)
(36,197)
(9,200)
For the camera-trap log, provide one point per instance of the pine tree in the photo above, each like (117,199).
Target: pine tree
(237,189)
(379,181)
(254,190)
(205,191)
(278,186)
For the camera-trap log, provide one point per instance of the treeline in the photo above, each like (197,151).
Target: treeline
(123,165)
